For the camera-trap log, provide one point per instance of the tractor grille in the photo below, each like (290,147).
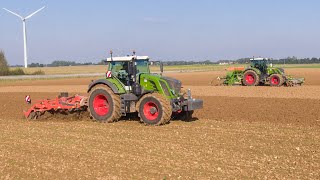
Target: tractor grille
(165,88)
(174,84)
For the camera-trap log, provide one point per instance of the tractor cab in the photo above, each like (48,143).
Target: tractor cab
(260,63)
(128,68)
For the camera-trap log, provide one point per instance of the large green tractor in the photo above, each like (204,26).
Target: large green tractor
(129,87)
(259,73)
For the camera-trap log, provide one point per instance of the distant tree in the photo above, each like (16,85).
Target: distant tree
(314,60)
(62,63)
(102,62)
(4,68)
(207,62)
(35,65)
(243,61)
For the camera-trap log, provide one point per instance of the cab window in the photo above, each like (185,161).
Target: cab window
(116,66)
(142,66)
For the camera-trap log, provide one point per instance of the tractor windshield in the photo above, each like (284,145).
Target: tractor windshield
(116,66)
(142,66)
(259,64)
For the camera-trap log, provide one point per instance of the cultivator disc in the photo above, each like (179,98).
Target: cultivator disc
(293,81)
(217,81)
(62,104)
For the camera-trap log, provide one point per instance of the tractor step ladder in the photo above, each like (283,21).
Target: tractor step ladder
(123,106)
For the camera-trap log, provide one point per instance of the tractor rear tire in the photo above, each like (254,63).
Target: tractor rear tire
(276,80)
(154,109)
(250,78)
(104,105)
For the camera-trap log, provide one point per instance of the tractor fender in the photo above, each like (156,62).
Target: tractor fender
(253,69)
(105,82)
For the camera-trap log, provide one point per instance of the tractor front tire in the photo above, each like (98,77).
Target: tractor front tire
(250,78)
(276,80)
(104,105)
(154,109)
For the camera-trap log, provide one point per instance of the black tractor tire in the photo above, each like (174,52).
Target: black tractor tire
(154,109)
(250,78)
(104,105)
(276,80)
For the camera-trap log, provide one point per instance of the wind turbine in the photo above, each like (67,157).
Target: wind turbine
(25,32)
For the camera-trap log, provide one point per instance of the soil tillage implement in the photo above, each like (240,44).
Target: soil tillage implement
(128,88)
(233,78)
(62,104)
(259,73)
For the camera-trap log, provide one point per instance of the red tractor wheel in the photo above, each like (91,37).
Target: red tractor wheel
(154,109)
(104,105)
(250,78)
(276,80)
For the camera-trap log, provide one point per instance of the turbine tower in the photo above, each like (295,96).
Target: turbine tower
(25,32)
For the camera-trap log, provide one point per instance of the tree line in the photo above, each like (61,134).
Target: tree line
(5,69)
(60,63)
(288,60)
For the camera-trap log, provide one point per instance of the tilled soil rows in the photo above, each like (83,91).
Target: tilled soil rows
(299,92)
(190,79)
(242,132)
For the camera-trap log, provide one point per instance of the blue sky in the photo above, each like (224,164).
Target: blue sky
(85,31)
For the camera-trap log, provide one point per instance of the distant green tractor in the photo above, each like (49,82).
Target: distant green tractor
(259,73)
(129,87)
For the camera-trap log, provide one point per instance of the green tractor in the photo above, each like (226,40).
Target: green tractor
(259,73)
(129,87)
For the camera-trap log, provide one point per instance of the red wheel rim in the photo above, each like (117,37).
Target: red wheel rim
(250,79)
(150,111)
(275,80)
(101,105)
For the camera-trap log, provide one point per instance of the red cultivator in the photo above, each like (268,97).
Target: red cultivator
(62,104)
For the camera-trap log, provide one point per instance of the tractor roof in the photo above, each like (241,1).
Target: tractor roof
(127,58)
(259,59)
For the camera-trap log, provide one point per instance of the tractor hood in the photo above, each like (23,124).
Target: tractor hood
(174,84)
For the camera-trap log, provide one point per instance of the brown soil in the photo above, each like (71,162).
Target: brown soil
(195,78)
(300,92)
(242,132)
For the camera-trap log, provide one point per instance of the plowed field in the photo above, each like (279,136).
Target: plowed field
(242,132)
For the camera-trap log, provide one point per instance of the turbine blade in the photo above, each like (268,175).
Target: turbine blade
(35,12)
(14,13)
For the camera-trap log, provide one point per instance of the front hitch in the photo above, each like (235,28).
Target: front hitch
(190,103)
